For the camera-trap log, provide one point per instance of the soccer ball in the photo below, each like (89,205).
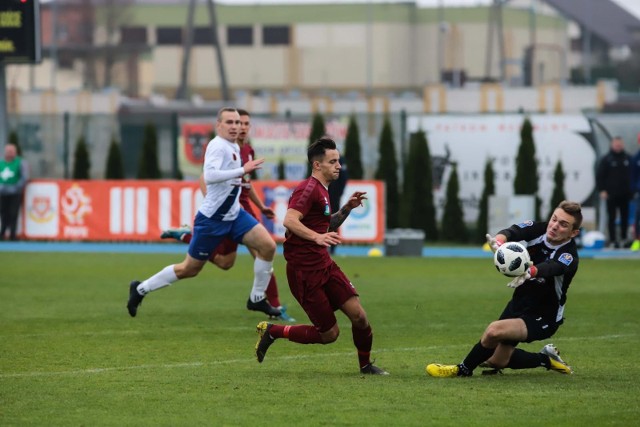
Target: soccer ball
(512,259)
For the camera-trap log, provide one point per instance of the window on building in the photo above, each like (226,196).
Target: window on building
(276,35)
(133,35)
(240,36)
(203,36)
(169,35)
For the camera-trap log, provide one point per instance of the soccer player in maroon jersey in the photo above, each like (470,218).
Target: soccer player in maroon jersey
(225,254)
(314,278)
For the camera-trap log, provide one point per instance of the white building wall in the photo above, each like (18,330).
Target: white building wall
(468,47)
(402,55)
(167,61)
(426,52)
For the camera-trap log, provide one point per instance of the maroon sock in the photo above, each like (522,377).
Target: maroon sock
(272,292)
(302,334)
(363,340)
(186,237)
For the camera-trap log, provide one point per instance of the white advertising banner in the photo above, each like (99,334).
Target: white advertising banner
(287,142)
(469,141)
(364,222)
(41,214)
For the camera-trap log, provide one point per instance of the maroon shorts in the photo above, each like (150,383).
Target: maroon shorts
(226,247)
(320,293)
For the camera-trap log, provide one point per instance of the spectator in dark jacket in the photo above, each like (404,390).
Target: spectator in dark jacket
(14,175)
(614,183)
(336,188)
(635,189)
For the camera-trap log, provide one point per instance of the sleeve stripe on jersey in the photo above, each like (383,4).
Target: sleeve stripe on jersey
(306,193)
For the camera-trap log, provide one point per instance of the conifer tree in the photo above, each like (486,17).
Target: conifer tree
(148,165)
(81,162)
(482,224)
(453,226)
(282,175)
(526,179)
(114,169)
(13,139)
(317,131)
(417,208)
(178,175)
(388,172)
(352,150)
(558,194)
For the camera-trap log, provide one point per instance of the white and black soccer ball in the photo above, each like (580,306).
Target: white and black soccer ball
(512,259)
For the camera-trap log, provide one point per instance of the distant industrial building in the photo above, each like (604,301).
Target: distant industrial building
(145,47)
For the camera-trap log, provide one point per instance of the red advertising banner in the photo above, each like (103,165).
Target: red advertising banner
(139,210)
(192,144)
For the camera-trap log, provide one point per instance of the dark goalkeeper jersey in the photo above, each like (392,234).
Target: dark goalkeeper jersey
(545,294)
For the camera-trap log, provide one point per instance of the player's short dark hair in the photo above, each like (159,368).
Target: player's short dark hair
(226,110)
(575,210)
(243,112)
(317,150)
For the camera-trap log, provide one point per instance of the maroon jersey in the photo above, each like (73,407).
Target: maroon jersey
(246,154)
(311,199)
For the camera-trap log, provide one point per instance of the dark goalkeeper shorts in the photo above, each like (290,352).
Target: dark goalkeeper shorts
(539,327)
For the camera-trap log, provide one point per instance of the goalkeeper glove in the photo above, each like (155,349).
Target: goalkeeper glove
(493,243)
(531,272)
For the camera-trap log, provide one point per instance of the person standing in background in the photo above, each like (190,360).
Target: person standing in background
(336,189)
(635,189)
(613,181)
(14,175)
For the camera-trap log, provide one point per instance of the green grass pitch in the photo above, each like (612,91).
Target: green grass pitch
(70,355)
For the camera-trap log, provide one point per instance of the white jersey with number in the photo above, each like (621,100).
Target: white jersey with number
(222,171)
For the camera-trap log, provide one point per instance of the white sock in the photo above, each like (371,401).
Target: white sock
(262,271)
(161,279)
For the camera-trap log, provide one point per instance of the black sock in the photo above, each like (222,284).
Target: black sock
(476,356)
(521,359)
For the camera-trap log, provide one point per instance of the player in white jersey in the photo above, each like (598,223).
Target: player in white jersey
(221,168)
(219,216)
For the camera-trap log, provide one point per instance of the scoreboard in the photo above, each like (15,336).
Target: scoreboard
(20,40)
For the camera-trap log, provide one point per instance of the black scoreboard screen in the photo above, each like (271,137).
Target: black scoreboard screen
(20,31)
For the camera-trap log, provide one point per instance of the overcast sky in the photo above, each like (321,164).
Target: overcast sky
(632,6)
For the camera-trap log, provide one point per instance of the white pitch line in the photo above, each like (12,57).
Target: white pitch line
(213,363)
(281,358)
(123,332)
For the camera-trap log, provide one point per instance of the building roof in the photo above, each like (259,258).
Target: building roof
(605,18)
